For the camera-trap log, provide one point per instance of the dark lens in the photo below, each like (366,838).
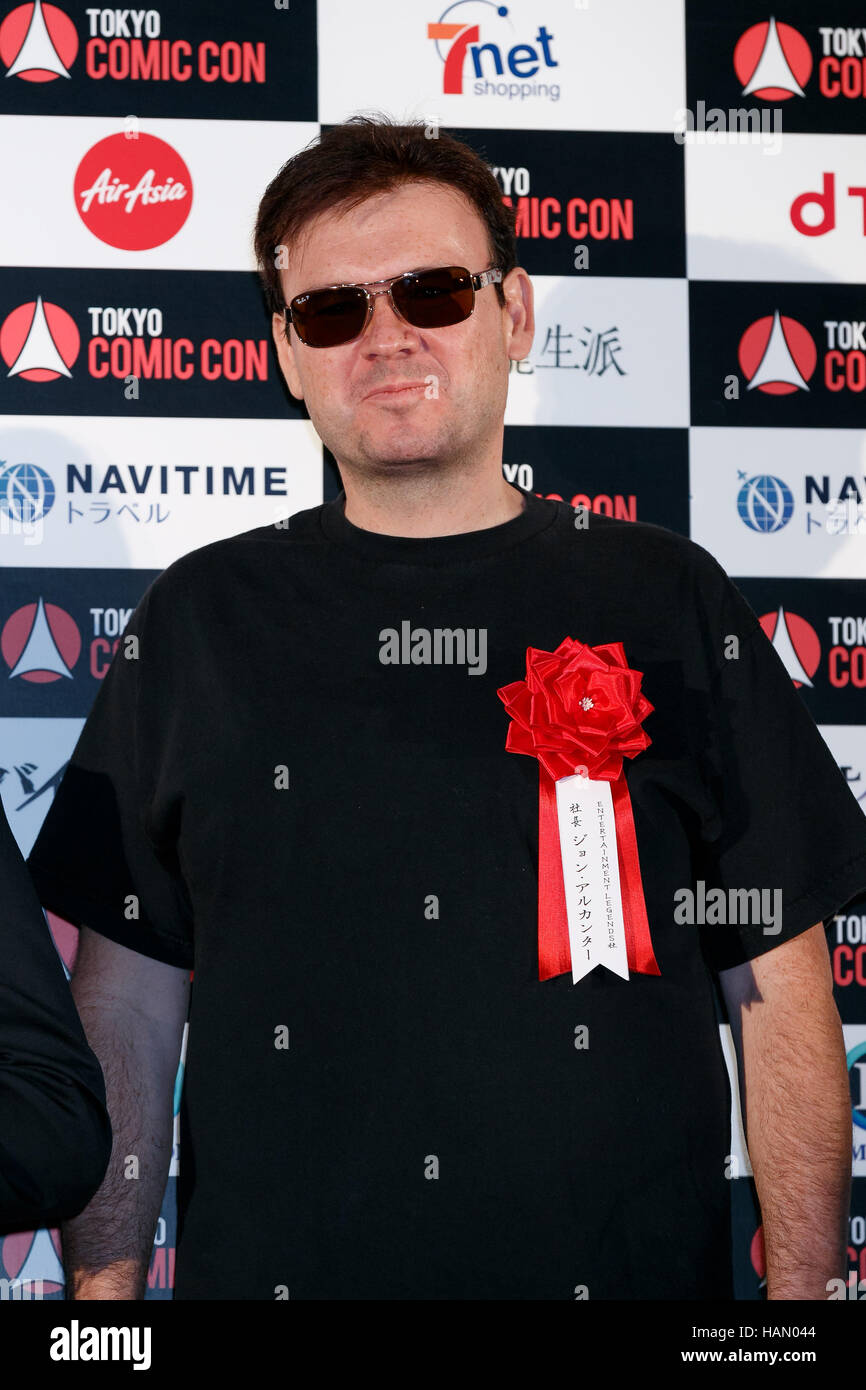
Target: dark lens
(326,318)
(435,298)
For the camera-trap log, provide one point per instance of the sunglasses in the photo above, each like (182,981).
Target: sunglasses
(424,298)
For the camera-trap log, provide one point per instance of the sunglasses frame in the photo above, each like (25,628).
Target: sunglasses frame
(478,279)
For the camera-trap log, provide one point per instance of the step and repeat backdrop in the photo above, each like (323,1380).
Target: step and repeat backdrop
(689,182)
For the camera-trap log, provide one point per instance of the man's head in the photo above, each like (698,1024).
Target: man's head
(370,200)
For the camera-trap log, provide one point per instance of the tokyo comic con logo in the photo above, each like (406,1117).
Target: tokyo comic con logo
(40,643)
(777,355)
(758,1256)
(772,61)
(796,643)
(457,35)
(133,194)
(39,341)
(38,43)
(30,1262)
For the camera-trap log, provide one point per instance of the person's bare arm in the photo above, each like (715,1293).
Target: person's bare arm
(796,1109)
(133,1010)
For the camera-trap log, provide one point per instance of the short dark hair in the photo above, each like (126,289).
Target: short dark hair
(363,156)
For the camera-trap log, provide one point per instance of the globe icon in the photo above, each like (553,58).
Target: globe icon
(765,503)
(26,493)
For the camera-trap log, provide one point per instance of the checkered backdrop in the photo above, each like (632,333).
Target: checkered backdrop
(689,185)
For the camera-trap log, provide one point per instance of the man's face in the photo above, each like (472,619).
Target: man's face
(458,376)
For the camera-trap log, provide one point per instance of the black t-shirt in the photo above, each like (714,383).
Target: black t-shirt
(345,851)
(55,1137)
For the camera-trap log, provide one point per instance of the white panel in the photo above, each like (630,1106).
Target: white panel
(847,743)
(621,346)
(727,469)
(42,746)
(74,530)
(613,64)
(230,163)
(738,209)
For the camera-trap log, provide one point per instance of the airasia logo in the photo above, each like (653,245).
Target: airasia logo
(38,43)
(773,61)
(133,194)
(777,355)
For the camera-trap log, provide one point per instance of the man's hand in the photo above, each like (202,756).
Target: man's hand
(796,1109)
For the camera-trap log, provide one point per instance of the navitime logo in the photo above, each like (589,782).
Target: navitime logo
(501,67)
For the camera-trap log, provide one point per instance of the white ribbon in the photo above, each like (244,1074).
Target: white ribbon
(590,871)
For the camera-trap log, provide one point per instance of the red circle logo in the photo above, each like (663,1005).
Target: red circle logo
(38,43)
(62,633)
(798,639)
(777,57)
(757,1255)
(777,354)
(133,193)
(33,335)
(33,1258)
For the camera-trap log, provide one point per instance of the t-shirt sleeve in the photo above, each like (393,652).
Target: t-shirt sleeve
(785,821)
(106,854)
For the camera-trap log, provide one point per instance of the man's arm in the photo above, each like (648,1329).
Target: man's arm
(133,1009)
(796,1109)
(55,1138)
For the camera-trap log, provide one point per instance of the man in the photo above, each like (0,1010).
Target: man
(55,1137)
(280,786)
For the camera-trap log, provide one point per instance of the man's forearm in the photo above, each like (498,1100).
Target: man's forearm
(107,1247)
(798,1124)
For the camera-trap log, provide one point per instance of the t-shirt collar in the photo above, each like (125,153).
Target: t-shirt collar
(466,545)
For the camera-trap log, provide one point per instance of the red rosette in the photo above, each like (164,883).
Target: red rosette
(580,710)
